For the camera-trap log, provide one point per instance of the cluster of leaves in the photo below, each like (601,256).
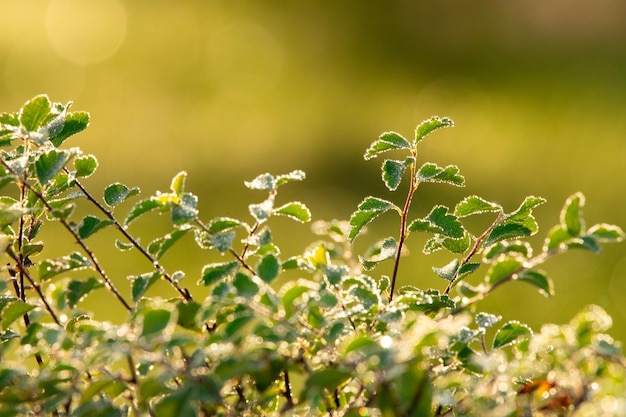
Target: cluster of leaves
(335,342)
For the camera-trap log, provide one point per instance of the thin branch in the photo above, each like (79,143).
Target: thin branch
(107,282)
(183,292)
(405,212)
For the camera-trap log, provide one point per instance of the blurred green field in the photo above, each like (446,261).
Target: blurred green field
(230,90)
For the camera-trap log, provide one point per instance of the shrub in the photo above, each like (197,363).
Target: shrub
(337,342)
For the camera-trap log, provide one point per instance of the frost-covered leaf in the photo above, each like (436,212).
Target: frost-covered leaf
(115,193)
(448,272)
(142,207)
(222,241)
(215,272)
(392,172)
(50,163)
(572,215)
(475,205)
(511,333)
(90,225)
(79,289)
(439,221)
(368,210)
(85,165)
(539,280)
(502,269)
(429,125)
(485,320)
(262,211)
(245,285)
(385,142)
(34,112)
(262,182)
(159,246)
(49,268)
(141,283)
(14,311)
(557,236)
(296,175)
(295,210)
(74,122)
(468,268)
(430,172)
(222,224)
(508,247)
(380,251)
(185,210)
(606,233)
(334,273)
(509,231)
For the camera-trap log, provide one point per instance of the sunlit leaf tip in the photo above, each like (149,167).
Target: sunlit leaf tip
(430,125)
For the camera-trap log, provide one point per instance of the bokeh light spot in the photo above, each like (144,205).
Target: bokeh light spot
(86,32)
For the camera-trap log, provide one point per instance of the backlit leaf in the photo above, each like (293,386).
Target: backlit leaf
(85,165)
(159,246)
(475,205)
(115,193)
(572,215)
(511,333)
(49,268)
(295,210)
(35,112)
(14,311)
(141,283)
(50,163)
(90,225)
(539,280)
(78,289)
(382,250)
(449,271)
(215,272)
(143,207)
(606,233)
(430,172)
(503,268)
(392,172)
(386,141)
(268,268)
(74,123)
(429,125)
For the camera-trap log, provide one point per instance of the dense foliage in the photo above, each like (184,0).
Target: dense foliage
(337,341)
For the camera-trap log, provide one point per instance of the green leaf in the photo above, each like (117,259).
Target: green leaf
(78,289)
(222,224)
(430,172)
(178,403)
(10,214)
(475,205)
(572,215)
(141,283)
(385,142)
(606,233)
(430,125)
(155,321)
(556,237)
(178,183)
(28,249)
(268,268)
(143,207)
(34,112)
(503,268)
(115,193)
(439,221)
(123,246)
(524,212)
(187,312)
(50,163)
(511,333)
(262,182)
(509,231)
(245,286)
(508,247)
(85,165)
(365,296)
(295,210)
(186,210)
(369,209)
(215,272)
(74,122)
(539,280)
(14,311)
(49,268)
(449,271)
(90,225)
(291,293)
(159,246)
(380,251)
(324,379)
(393,171)
(468,268)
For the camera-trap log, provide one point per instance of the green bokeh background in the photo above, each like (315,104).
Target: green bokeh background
(229,90)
